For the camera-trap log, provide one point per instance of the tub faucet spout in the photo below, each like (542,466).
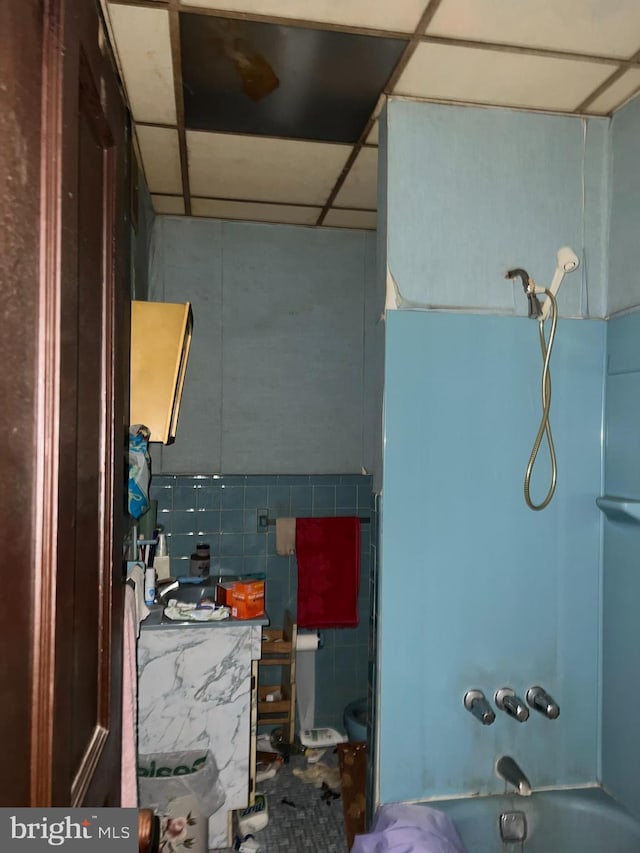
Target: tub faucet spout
(509,770)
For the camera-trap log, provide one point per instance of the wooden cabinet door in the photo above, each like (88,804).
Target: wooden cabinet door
(72,428)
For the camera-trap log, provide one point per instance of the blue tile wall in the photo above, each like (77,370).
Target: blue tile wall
(222,510)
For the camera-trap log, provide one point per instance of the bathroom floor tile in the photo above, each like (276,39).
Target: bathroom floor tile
(310,824)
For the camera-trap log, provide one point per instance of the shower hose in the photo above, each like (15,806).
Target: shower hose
(545,428)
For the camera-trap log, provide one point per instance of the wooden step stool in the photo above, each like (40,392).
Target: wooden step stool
(279,650)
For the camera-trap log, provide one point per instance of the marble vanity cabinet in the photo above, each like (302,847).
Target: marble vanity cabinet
(195,691)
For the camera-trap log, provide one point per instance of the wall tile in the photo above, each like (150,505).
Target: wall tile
(255,497)
(255,543)
(232,497)
(232,521)
(324,497)
(209,497)
(346,496)
(207,522)
(301,500)
(279,501)
(183,522)
(185,497)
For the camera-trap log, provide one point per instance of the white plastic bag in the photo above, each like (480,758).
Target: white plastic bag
(167,776)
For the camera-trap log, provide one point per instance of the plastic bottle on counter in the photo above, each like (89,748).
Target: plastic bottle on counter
(149,586)
(200,561)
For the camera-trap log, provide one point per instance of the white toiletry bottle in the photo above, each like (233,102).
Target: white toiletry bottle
(149,586)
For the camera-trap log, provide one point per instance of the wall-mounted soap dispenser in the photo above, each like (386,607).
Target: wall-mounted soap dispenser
(160,342)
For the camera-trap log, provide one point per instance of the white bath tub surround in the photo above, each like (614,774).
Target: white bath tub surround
(576,820)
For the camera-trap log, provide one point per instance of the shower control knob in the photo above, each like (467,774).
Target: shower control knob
(475,701)
(539,700)
(507,701)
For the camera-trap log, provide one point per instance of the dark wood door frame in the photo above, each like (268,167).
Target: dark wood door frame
(57,65)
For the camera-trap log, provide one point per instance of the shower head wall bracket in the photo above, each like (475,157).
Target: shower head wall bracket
(566,261)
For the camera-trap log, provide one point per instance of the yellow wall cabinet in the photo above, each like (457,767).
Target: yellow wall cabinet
(160,342)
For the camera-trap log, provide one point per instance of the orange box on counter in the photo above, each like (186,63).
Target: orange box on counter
(245,598)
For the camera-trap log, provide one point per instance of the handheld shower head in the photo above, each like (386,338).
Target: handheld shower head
(566,259)
(566,262)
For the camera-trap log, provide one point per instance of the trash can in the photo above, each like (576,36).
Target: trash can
(184,790)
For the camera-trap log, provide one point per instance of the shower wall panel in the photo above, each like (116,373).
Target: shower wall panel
(476,590)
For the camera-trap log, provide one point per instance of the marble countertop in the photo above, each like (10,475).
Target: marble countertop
(156,620)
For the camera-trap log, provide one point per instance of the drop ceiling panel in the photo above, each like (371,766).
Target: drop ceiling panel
(401,15)
(598,27)
(262,168)
(160,159)
(476,75)
(360,187)
(296,82)
(144,53)
(617,93)
(169,204)
(254,211)
(372,136)
(339,218)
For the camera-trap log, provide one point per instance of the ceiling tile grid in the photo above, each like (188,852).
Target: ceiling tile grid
(359,189)
(399,16)
(477,75)
(285,214)
(262,168)
(595,27)
(160,151)
(144,53)
(278,100)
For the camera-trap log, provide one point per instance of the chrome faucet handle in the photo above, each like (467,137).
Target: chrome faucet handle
(507,701)
(476,702)
(541,701)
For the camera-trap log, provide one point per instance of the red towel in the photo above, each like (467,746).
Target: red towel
(328,554)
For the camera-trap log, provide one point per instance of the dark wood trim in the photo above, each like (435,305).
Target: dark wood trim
(44,603)
(90,760)
(174,31)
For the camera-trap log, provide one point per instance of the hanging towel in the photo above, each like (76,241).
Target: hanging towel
(129,769)
(135,574)
(139,470)
(285,536)
(328,554)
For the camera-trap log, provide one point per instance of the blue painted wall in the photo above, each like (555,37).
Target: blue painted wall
(476,590)
(621,583)
(474,191)
(624,245)
(276,381)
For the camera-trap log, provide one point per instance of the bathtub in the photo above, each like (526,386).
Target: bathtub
(585,820)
